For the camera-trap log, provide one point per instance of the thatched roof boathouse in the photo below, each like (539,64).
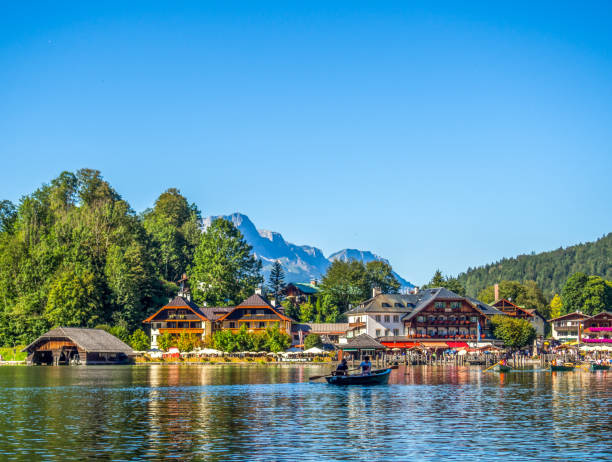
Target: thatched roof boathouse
(74,345)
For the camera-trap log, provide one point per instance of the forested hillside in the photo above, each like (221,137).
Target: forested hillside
(549,269)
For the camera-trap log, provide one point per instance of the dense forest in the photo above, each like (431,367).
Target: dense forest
(550,270)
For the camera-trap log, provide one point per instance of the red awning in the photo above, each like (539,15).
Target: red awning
(400,344)
(457,344)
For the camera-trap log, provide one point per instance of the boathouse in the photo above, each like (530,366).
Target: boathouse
(75,345)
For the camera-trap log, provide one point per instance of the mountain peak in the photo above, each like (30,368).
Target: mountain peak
(300,262)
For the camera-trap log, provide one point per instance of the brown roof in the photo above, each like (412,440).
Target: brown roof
(215,312)
(362,342)
(180,302)
(255,300)
(91,340)
(574,315)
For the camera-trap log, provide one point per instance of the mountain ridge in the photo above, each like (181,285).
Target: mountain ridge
(301,262)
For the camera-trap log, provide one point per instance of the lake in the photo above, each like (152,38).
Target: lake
(234,412)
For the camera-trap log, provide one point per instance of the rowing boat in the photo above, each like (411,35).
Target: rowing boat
(600,367)
(378,377)
(502,368)
(561,368)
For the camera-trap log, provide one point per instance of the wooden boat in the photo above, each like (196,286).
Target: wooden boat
(378,377)
(562,368)
(600,367)
(502,368)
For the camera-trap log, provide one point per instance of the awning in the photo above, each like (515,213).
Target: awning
(434,344)
(457,344)
(400,344)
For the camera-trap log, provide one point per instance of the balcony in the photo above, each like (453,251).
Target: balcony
(176,330)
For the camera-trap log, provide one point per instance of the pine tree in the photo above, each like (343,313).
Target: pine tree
(276,282)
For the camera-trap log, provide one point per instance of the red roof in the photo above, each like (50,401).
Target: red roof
(457,344)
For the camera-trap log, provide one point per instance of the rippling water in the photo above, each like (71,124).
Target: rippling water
(273,413)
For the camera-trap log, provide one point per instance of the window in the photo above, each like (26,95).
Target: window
(378,332)
(440,305)
(386,332)
(396,332)
(455,304)
(386,305)
(420,319)
(396,318)
(248,325)
(399,305)
(232,325)
(377,317)
(387,318)
(262,325)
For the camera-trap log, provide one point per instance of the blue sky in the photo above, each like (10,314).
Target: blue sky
(438,137)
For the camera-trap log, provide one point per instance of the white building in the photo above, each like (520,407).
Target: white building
(381,315)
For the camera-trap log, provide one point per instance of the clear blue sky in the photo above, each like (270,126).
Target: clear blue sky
(438,137)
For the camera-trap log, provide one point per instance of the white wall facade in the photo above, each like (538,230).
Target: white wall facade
(378,324)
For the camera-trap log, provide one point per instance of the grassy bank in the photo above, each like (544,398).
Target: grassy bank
(12,354)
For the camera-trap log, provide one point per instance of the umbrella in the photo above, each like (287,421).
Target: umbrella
(314,351)
(210,351)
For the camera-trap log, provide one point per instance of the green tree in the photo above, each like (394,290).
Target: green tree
(312,340)
(597,295)
(139,341)
(380,274)
(165,341)
(514,332)
(121,332)
(276,340)
(513,291)
(8,215)
(224,270)
(291,309)
(72,299)
(224,340)
(452,284)
(174,228)
(573,293)
(346,283)
(276,281)
(307,311)
(556,307)
(325,310)
(186,342)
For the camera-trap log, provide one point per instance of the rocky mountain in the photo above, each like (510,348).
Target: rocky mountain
(301,263)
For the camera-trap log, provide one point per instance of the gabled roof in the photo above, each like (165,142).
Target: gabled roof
(215,312)
(397,303)
(256,301)
(575,314)
(428,296)
(605,313)
(180,302)
(91,340)
(305,287)
(362,342)
(508,302)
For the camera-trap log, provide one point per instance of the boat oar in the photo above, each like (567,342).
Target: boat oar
(498,362)
(315,377)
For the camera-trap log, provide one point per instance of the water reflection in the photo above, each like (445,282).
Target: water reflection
(232,412)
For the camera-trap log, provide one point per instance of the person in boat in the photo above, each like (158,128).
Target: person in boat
(503,362)
(342,367)
(366,366)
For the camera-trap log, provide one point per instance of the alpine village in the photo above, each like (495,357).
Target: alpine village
(160,287)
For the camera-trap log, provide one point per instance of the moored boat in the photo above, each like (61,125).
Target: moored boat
(561,368)
(600,367)
(377,377)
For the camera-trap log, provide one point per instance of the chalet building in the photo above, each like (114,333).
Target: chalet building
(598,328)
(299,292)
(256,314)
(510,309)
(443,314)
(74,345)
(430,316)
(182,315)
(566,328)
(380,315)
